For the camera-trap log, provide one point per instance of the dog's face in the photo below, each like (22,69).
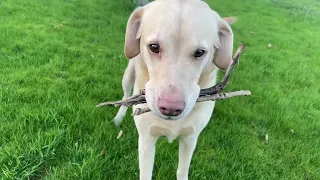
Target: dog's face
(177,40)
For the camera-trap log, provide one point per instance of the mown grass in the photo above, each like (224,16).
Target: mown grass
(58,59)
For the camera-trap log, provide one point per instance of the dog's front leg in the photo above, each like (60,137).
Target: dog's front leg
(186,148)
(146,155)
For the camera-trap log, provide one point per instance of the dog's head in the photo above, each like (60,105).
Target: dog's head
(177,40)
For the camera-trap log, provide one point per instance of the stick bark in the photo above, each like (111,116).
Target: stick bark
(214,97)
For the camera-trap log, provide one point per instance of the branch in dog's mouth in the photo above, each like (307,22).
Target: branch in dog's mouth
(214,97)
(209,94)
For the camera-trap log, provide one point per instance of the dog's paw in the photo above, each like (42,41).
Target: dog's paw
(117,120)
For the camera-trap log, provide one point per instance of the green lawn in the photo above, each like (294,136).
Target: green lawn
(59,58)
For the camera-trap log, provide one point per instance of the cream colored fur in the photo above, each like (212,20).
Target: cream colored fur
(180,27)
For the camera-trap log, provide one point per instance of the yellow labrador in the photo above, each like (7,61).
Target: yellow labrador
(175,48)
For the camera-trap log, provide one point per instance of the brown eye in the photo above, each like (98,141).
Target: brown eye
(199,53)
(155,48)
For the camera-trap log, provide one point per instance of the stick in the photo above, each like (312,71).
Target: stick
(220,86)
(214,97)
(139,111)
(221,96)
(133,100)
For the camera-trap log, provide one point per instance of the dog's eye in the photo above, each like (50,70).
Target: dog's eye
(199,53)
(155,48)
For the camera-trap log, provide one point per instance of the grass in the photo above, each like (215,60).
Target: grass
(58,59)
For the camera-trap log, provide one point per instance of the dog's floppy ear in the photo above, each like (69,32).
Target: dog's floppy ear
(230,20)
(223,55)
(133,34)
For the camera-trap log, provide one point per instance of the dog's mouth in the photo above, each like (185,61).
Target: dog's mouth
(169,109)
(168,118)
(184,113)
(154,109)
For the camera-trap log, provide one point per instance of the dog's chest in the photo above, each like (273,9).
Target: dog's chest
(170,130)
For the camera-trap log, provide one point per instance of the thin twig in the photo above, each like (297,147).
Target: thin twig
(220,86)
(133,100)
(139,111)
(214,97)
(221,96)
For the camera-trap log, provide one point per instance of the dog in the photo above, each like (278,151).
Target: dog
(175,48)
